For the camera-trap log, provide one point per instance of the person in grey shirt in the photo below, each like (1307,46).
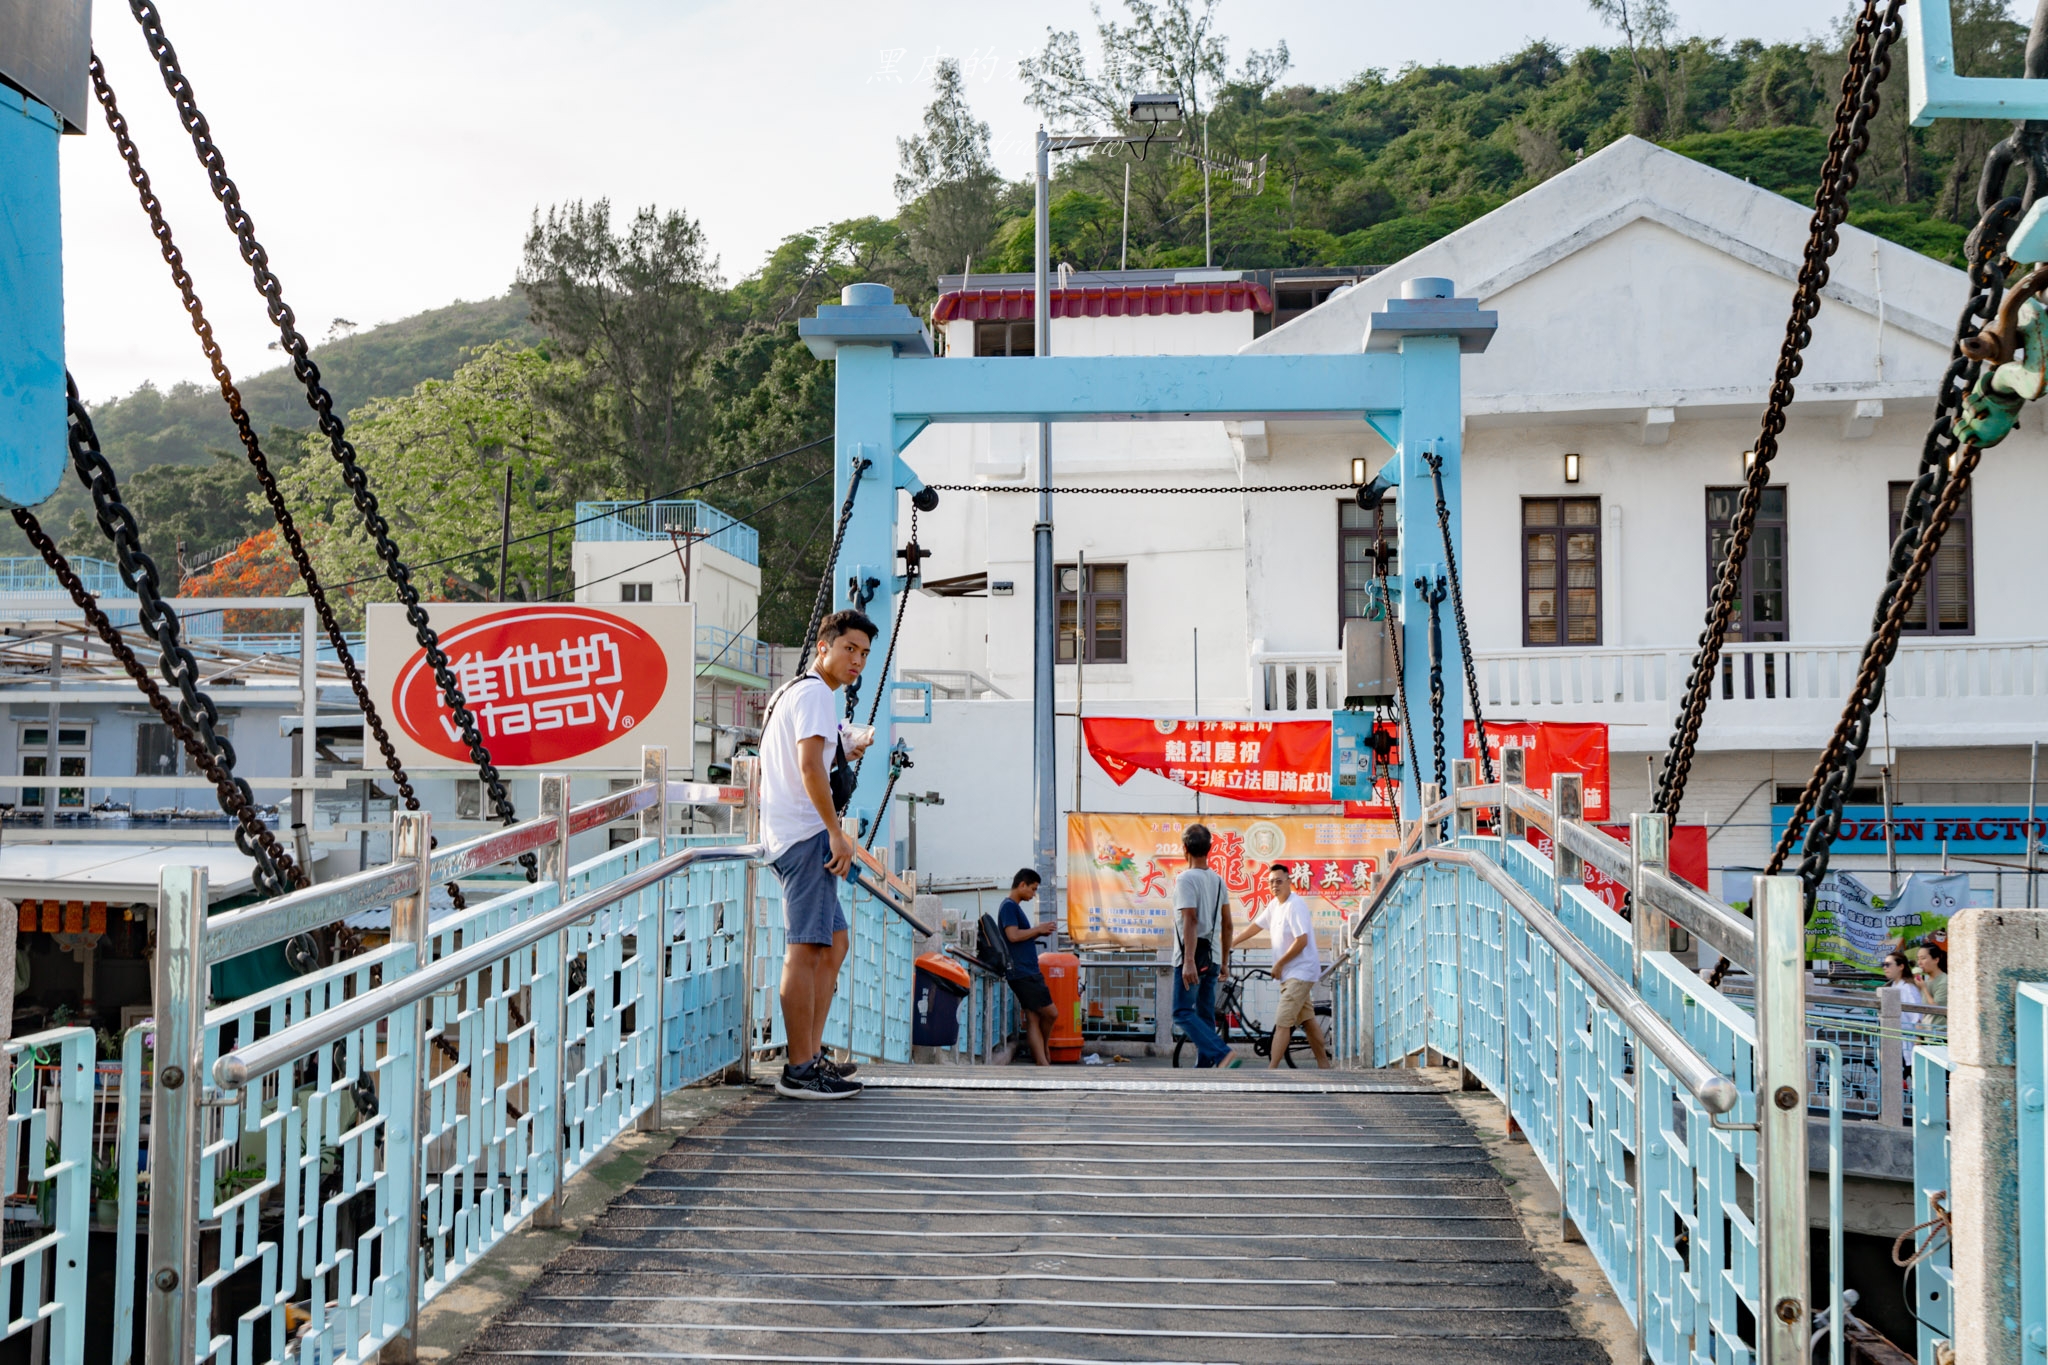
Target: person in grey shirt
(1201,950)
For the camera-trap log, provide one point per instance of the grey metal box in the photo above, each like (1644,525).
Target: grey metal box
(44,48)
(1369,677)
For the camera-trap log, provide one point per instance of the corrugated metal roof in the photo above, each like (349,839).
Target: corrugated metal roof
(1107,301)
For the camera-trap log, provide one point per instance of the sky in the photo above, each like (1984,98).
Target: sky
(392,154)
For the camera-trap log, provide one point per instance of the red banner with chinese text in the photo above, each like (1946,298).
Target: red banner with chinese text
(1285,761)
(1552,748)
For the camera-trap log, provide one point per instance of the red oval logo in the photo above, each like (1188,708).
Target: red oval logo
(544,683)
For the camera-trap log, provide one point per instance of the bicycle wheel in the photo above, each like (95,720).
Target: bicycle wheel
(1178,1043)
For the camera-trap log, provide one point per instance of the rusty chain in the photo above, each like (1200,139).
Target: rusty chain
(232,791)
(1443,521)
(322,402)
(1382,561)
(1877,27)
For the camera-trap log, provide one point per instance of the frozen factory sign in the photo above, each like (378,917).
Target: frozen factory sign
(1925,829)
(551,685)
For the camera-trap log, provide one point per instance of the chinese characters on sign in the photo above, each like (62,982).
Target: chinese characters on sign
(1552,747)
(1121,871)
(1285,761)
(546,683)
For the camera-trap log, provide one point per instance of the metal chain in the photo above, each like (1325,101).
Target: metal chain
(1877,27)
(824,597)
(898,761)
(1380,564)
(1137,489)
(273,871)
(244,429)
(1434,596)
(322,403)
(232,791)
(889,655)
(1443,521)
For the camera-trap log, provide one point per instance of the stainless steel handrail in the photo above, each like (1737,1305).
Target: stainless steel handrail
(1713,1090)
(259,1058)
(240,931)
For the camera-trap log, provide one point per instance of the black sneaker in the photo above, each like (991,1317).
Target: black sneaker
(814,1082)
(843,1070)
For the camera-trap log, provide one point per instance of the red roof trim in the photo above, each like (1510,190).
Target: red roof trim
(1107,301)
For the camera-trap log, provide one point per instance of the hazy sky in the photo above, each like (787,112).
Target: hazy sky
(392,153)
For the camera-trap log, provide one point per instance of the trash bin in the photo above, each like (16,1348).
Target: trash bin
(940,985)
(1062,972)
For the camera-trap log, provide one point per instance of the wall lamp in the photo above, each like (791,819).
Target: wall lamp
(1748,462)
(1571,466)
(1358,474)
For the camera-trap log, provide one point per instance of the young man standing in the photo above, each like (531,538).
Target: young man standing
(1296,966)
(801,746)
(1033,996)
(1201,946)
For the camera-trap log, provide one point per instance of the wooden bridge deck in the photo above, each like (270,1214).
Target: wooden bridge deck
(1112,1218)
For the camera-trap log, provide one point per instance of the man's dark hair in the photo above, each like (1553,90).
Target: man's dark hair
(1195,839)
(1025,877)
(1288,868)
(839,622)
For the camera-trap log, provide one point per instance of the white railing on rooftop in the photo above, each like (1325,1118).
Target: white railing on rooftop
(661,520)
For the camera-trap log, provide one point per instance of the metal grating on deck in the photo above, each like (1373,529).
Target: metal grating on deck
(1076,1224)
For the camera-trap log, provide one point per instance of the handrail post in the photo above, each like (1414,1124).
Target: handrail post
(181,986)
(1431,794)
(1784,1323)
(1567,801)
(1464,820)
(1891,1054)
(412,840)
(654,824)
(554,867)
(1514,772)
(1648,849)
(748,771)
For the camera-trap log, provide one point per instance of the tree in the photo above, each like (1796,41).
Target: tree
(946,183)
(437,459)
(198,506)
(636,311)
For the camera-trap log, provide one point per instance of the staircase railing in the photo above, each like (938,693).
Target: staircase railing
(1672,1120)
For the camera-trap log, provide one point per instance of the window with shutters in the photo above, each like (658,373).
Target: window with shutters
(1560,571)
(1355,568)
(1760,608)
(1947,603)
(1092,613)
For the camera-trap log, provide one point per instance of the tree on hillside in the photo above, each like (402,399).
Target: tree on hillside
(438,459)
(946,183)
(636,310)
(200,507)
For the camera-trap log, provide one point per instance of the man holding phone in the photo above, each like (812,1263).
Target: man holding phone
(806,779)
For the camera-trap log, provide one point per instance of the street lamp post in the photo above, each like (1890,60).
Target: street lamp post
(1149,110)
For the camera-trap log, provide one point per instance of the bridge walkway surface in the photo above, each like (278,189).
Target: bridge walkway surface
(1004,1215)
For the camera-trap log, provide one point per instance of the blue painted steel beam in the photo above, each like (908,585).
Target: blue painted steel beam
(1111,388)
(32,408)
(1934,90)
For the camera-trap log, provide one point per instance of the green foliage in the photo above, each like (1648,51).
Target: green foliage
(1786,160)
(202,507)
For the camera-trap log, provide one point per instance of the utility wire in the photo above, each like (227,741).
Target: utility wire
(602,516)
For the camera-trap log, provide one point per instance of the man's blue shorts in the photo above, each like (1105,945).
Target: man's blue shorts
(811,912)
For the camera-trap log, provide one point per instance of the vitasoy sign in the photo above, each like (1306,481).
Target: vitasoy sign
(550,685)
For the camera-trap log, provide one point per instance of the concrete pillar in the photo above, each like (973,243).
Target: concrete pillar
(1989,953)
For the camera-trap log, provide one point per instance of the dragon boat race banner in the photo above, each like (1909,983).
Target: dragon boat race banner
(1552,747)
(1283,761)
(556,685)
(1121,869)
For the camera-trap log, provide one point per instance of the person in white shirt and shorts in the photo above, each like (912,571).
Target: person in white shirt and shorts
(805,781)
(1291,929)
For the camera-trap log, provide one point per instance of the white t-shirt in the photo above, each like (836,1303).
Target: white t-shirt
(1286,921)
(805,710)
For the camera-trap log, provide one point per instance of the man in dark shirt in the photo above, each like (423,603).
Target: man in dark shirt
(1025,979)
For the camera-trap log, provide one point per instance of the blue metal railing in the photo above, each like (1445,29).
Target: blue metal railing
(660,520)
(1450,961)
(730,649)
(28,573)
(48,1157)
(1933,1277)
(2031,1086)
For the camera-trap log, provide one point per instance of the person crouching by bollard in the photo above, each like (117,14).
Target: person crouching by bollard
(1297,966)
(1033,996)
(1201,950)
(806,780)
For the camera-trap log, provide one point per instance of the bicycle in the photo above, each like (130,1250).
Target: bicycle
(1232,1016)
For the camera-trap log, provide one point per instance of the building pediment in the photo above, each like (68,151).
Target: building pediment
(1641,285)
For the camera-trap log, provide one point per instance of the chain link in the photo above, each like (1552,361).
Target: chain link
(176,662)
(271,859)
(824,597)
(322,402)
(1443,521)
(1434,596)
(1381,558)
(1877,27)
(244,429)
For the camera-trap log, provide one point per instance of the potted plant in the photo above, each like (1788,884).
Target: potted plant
(106,1192)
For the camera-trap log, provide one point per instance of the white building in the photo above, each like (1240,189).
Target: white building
(1642,301)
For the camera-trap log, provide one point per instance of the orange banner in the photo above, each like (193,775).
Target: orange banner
(1553,747)
(1121,870)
